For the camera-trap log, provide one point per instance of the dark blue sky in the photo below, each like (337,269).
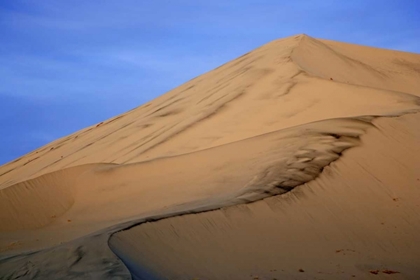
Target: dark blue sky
(65,65)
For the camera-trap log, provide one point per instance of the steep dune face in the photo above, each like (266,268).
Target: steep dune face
(357,65)
(301,141)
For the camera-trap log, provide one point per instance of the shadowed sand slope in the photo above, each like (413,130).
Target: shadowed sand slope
(362,214)
(302,154)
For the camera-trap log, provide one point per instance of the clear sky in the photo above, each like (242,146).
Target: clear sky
(65,65)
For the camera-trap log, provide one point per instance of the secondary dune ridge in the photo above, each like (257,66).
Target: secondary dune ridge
(257,127)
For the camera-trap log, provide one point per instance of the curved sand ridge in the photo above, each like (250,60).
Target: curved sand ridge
(275,163)
(253,128)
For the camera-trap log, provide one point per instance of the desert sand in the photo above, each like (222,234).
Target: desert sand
(297,160)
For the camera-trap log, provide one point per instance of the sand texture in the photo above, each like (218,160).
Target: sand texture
(297,160)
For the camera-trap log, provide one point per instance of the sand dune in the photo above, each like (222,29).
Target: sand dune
(300,155)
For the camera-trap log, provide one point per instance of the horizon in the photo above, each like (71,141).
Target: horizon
(67,66)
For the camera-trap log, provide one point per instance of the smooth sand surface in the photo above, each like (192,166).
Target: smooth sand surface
(298,160)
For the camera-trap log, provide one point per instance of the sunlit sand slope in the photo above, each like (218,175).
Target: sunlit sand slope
(281,84)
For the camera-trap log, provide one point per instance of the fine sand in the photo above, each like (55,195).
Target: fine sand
(298,160)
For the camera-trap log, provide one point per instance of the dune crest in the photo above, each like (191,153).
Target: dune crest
(277,140)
